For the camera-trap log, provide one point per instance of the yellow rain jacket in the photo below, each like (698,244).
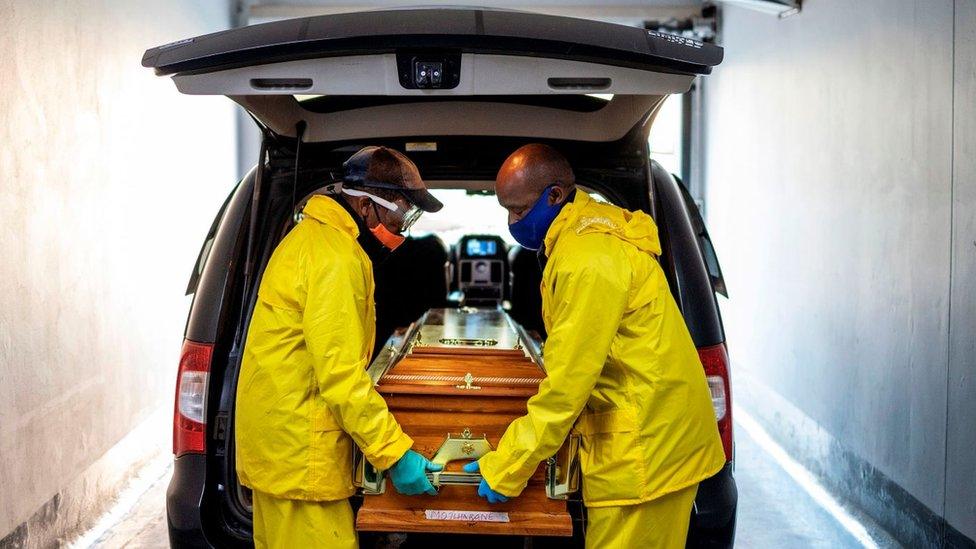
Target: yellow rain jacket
(303,396)
(623,372)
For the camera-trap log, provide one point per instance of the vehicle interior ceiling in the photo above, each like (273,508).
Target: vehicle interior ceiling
(480,270)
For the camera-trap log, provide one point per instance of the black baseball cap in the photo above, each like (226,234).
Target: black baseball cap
(386,168)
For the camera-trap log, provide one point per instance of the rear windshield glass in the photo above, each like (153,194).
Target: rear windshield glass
(471,212)
(464,213)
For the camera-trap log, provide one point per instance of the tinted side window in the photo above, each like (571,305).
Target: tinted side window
(684,261)
(191,286)
(708,250)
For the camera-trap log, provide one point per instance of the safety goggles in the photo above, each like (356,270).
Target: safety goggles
(408,216)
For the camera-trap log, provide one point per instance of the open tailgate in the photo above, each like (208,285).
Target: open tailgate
(473,51)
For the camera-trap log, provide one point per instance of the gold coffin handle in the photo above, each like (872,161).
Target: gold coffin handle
(454,448)
(563,471)
(367,477)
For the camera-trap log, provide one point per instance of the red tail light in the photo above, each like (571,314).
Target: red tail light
(190,410)
(716,362)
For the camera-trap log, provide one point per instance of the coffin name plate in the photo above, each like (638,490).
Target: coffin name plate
(465,516)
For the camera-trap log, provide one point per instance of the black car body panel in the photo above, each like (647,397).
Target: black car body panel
(713,519)
(463,29)
(183,498)
(688,276)
(213,282)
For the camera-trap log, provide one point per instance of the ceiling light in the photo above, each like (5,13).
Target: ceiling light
(779,8)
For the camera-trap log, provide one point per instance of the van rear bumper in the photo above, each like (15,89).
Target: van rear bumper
(183,502)
(713,519)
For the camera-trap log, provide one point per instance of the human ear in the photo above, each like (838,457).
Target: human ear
(364,208)
(556,195)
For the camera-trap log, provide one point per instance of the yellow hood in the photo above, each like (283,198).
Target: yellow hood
(585,215)
(328,211)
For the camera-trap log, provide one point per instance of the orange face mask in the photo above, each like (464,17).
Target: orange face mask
(386,237)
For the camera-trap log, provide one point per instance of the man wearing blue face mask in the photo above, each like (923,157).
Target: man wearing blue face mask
(622,370)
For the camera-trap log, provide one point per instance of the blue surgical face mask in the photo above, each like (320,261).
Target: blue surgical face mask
(530,231)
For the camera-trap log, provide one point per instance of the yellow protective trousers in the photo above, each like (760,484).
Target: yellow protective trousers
(288,523)
(661,523)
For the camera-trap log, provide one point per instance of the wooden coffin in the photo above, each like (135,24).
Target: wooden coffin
(455,381)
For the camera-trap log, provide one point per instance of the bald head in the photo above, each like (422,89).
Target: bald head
(526,173)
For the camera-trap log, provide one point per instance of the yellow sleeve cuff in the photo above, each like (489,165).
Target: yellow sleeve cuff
(502,475)
(383,454)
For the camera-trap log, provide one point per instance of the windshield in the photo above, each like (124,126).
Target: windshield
(471,212)
(464,214)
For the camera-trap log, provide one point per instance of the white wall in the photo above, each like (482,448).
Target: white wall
(829,177)
(109,180)
(961,449)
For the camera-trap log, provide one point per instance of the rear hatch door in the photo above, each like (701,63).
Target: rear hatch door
(436,54)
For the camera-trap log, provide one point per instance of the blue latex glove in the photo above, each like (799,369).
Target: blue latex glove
(409,474)
(484,490)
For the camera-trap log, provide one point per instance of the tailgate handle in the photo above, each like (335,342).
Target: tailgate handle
(281,83)
(579,83)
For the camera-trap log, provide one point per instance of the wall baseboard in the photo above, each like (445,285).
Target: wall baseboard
(845,474)
(82,501)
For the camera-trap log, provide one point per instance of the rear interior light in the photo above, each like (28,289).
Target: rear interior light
(190,409)
(715,360)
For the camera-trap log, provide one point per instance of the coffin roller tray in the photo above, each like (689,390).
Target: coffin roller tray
(455,381)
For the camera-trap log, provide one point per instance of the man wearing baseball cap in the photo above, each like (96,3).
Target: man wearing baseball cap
(384,187)
(303,396)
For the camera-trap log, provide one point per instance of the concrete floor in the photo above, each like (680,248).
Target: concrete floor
(774,511)
(144,526)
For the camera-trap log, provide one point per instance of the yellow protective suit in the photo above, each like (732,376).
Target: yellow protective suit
(289,523)
(661,523)
(621,367)
(303,396)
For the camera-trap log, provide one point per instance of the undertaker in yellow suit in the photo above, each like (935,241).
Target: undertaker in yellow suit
(622,370)
(303,396)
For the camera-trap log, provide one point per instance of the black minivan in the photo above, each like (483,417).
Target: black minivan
(456,89)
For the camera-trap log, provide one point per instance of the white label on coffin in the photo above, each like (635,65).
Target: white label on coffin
(466,516)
